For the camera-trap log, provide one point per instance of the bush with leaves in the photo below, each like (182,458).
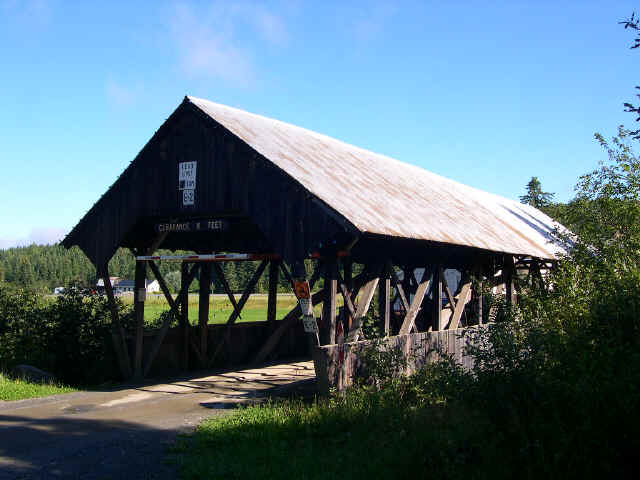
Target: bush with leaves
(20,327)
(70,337)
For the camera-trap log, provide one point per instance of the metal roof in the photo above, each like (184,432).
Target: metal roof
(381,195)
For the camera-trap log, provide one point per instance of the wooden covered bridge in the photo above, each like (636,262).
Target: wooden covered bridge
(217,179)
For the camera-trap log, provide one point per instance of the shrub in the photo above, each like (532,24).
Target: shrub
(70,336)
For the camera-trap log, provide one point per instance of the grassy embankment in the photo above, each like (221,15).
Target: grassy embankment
(364,434)
(16,389)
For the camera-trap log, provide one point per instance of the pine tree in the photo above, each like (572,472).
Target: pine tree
(535,196)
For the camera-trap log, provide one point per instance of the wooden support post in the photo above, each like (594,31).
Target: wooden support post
(398,286)
(479,296)
(117,332)
(139,293)
(287,322)
(236,313)
(363,306)
(384,301)
(328,326)
(163,285)
(448,292)
(272,303)
(157,342)
(203,307)
(407,274)
(348,282)
(508,271)
(139,298)
(247,293)
(286,274)
(227,289)
(463,298)
(437,296)
(350,309)
(291,318)
(412,313)
(184,313)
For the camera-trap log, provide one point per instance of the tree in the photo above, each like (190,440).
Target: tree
(634,24)
(605,214)
(535,196)
(173,280)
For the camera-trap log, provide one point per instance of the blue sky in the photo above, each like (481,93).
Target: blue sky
(487,93)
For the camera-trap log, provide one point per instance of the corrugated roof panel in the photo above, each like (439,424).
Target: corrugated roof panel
(381,195)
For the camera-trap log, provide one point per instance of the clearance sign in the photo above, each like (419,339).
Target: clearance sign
(187,182)
(303,294)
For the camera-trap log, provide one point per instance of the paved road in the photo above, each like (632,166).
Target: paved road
(125,433)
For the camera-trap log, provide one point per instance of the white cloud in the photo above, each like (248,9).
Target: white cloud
(38,235)
(209,43)
(270,25)
(46,235)
(8,242)
(368,21)
(33,13)
(121,95)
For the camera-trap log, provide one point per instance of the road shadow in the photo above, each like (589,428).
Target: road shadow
(68,447)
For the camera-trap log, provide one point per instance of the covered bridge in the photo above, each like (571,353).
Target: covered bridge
(217,179)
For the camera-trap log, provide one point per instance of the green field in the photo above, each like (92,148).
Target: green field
(220,307)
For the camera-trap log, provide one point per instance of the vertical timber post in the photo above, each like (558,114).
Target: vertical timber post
(384,301)
(184,313)
(140,294)
(328,327)
(479,293)
(117,332)
(272,303)
(437,296)
(478,272)
(203,307)
(508,270)
(348,280)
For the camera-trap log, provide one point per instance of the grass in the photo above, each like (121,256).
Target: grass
(220,307)
(357,436)
(17,389)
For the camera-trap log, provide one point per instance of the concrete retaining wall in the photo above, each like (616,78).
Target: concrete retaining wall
(338,365)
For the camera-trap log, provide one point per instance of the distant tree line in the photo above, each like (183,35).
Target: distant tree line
(44,267)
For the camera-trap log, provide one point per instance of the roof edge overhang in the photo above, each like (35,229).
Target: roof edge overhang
(71,239)
(339,217)
(74,237)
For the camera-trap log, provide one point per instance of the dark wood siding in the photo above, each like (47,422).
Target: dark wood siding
(268,211)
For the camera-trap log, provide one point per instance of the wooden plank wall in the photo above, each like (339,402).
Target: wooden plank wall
(232,180)
(338,365)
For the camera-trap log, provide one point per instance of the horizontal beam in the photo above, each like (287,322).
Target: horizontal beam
(226,257)
(223,257)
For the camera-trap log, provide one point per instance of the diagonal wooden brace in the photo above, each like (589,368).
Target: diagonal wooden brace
(157,342)
(410,317)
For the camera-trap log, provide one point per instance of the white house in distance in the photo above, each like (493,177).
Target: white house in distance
(123,286)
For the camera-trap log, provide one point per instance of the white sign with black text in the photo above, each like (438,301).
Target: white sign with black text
(188,197)
(187,181)
(309,324)
(187,175)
